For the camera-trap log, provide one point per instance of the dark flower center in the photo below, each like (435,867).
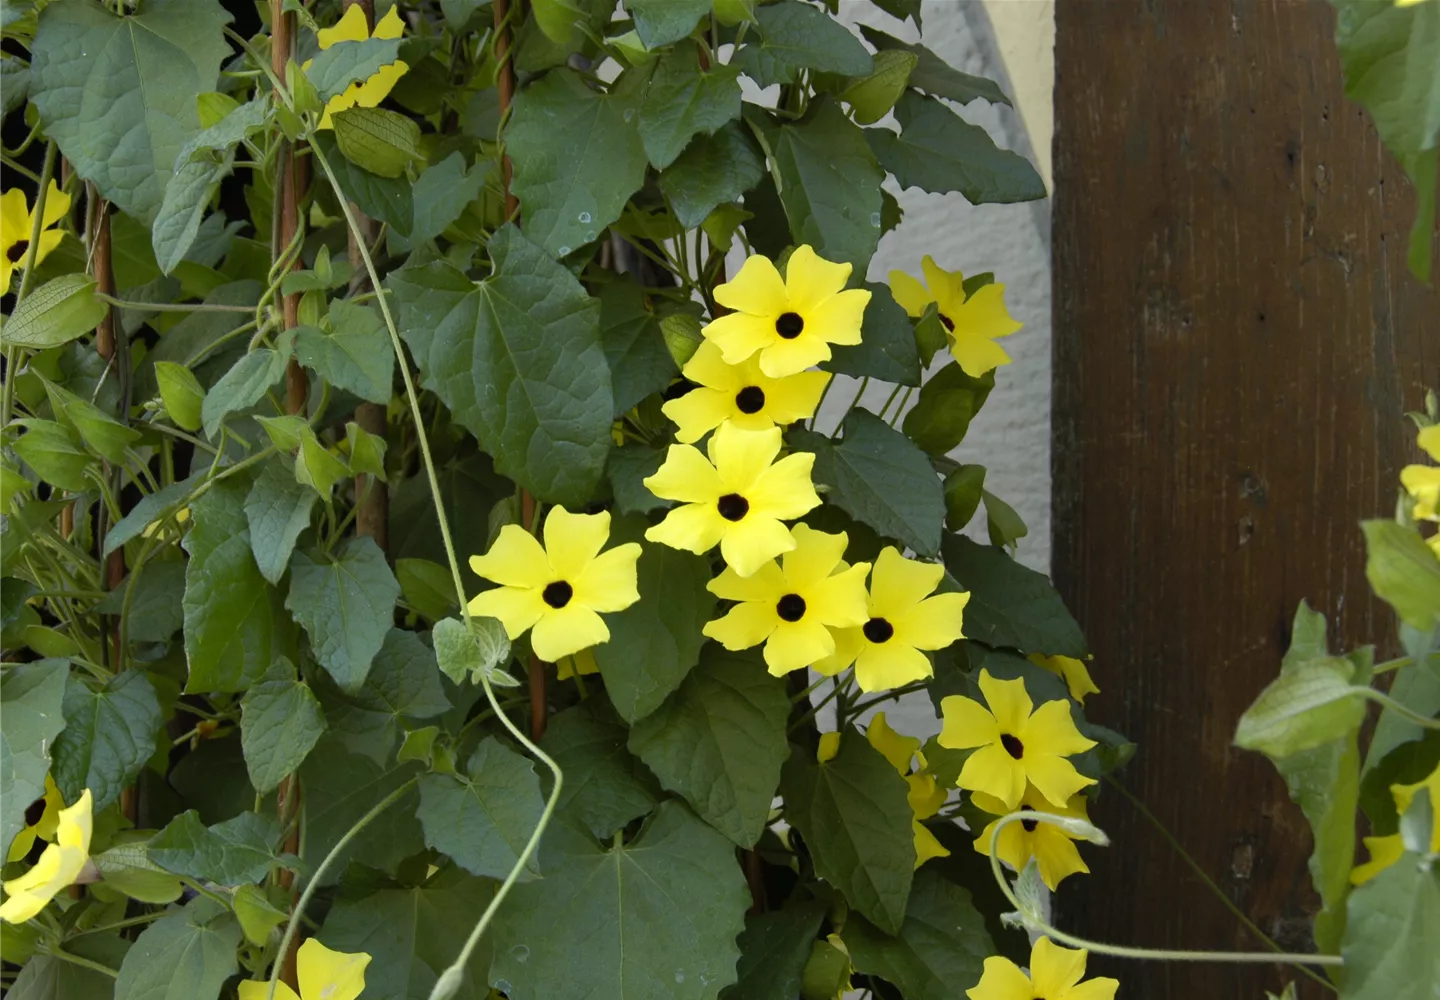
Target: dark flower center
(790,608)
(878,630)
(789,325)
(16,252)
(732,506)
(34,811)
(1013,746)
(1029,824)
(558,594)
(948,322)
(750,399)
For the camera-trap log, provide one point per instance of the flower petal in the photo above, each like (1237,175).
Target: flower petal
(707,367)
(789,357)
(927,847)
(757,288)
(967,724)
(1001,980)
(890,665)
(334,975)
(785,490)
(389,26)
(984,315)
(517,608)
(1008,701)
(794,397)
(609,583)
(1054,777)
(993,771)
(1384,852)
(898,584)
(848,643)
(839,600)
(573,540)
(794,646)
(1429,440)
(838,320)
(948,287)
(1055,853)
(57,205)
(811,279)
(74,826)
(739,335)
(1053,969)
(49,240)
(515,560)
(699,412)
(934,623)
(815,556)
(742,456)
(259,989)
(751,543)
(1101,988)
(352,27)
(1072,671)
(14,220)
(977,355)
(695,527)
(897,748)
(746,625)
(567,630)
(910,293)
(1052,730)
(765,584)
(685,475)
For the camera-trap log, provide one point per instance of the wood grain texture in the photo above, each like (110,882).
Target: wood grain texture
(1236,338)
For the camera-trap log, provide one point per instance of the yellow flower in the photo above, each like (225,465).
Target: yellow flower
(366,93)
(1422,482)
(925,795)
(16,221)
(736,499)
(59,866)
(559,588)
(792,321)
(1015,745)
(741,394)
(973,323)
(1052,848)
(323,974)
(791,606)
(44,826)
(1070,670)
(580,665)
(1055,974)
(1385,851)
(903,620)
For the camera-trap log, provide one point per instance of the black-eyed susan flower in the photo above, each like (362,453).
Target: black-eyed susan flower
(736,499)
(1049,844)
(1013,744)
(925,795)
(1055,974)
(904,618)
(559,589)
(1422,482)
(791,606)
(59,866)
(789,322)
(1070,670)
(323,974)
(1385,851)
(17,220)
(41,819)
(741,394)
(367,93)
(973,323)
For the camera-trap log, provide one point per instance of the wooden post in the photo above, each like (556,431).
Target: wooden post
(1236,339)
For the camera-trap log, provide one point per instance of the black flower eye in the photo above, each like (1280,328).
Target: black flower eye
(789,325)
(558,594)
(750,399)
(732,506)
(790,608)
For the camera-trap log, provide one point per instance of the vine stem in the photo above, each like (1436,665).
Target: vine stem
(452,978)
(1405,712)
(293,927)
(1088,831)
(27,276)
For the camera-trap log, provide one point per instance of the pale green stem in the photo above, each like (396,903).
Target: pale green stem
(185,307)
(451,979)
(1404,711)
(1088,831)
(37,223)
(864,384)
(85,963)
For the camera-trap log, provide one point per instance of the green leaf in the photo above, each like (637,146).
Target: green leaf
(877,476)
(468,653)
(182,394)
(963,490)
(257,915)
(673,900)
(232,618)
(654,642)
(45,977)
(402,688)
(187,955)
(773,950)
(280,724)
(187,195)
(712,170)
(1004,525)
(103,434)
(340,788)
(55,452)
(660,22)
(934,75)
(1389,948)
(127,869)
(31,699)
(578,158)
(640,363)
(345,601)
(426,586)
(1011,605)
(628,468)
(366,451)
(382,142)
(795,36)
(605,787)
(930,335)
(389,199)
(1403,572)
(484,820)
(948,402)
(317,466)
(1309,704)
(355,356)
(277,509)
(829,183)
(888,350)
(938,151)
(334,69)
(138,76)
(55,313)
(682,101)
(238,851)
(518,360)
(855,818)
(242,386)
(156,613)
(942,942)
(558,18)
(109,735)
(412,934)
(1389,54)
(149,510)
(441,194)
(719,741)
(232,128)
(871,97)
